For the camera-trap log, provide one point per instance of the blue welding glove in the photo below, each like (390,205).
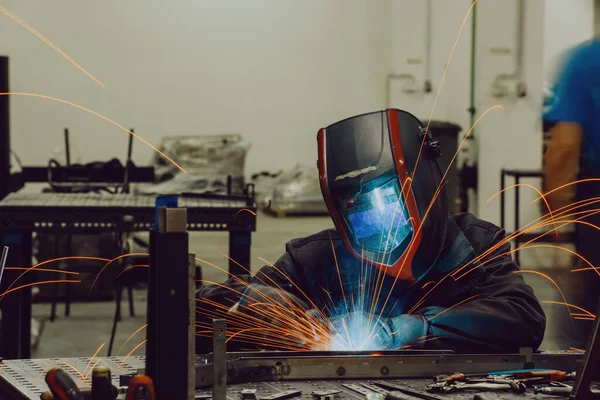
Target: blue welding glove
(359,330)
(407,331)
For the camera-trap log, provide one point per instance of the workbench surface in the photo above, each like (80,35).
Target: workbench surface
(24,379)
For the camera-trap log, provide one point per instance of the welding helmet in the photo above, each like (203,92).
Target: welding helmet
(379,177)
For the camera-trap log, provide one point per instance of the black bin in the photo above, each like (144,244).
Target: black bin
(446,133)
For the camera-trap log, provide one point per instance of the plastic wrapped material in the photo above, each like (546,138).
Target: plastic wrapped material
(208,160)
(293,192)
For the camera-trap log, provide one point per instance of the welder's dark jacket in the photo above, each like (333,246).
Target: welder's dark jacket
(484,307)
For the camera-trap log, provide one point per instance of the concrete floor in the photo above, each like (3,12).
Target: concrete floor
(89,325)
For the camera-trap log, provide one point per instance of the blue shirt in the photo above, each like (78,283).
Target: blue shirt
(577,97)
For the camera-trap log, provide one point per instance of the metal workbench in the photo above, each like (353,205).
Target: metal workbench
(273,373)
(21,214)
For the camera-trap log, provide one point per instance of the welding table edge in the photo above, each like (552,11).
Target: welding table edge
(9,380)
(239,227)
(301,366)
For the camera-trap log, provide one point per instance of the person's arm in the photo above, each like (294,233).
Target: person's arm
(569,112)
(504,316)
(562,163)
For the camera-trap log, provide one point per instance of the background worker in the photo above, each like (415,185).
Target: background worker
(573,153)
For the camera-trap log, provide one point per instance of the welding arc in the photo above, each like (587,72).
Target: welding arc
(49,43)
(41,96)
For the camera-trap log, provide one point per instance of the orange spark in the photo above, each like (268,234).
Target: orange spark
(589,314)
(525,271)
(337,267)
(247,210)
(57,362)
(130,337)
(92,359)
(569,184)
(457,304)
(113,260)
(49,43)
(131,352)
(41,96)
(58,271)
(462,27)
(37,283)
(54,260)
(576,349)
(538,192)
(133,266)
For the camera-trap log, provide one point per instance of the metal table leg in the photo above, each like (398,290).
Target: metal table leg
(15,340)
(239,251)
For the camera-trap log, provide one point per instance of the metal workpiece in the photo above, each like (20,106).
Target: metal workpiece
(248,394)
(288,366)
(20,379)
(219,381)
(169,313)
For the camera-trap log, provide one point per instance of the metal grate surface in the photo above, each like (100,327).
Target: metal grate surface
(120,212)
(26,377)
(114,200)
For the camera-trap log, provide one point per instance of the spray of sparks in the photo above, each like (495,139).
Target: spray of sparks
(352,322)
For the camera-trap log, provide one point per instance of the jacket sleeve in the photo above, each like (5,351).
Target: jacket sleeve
(499,314)
(285,274)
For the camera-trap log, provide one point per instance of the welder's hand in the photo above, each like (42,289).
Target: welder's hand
(408,331)
(277,316)
(362,331)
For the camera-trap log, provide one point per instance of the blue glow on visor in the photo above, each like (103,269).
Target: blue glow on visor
(379,219)
(376,220)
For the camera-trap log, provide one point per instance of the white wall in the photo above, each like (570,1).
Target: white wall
(277,71)
(563,30)
(508,138)
(410,44)
(512,137)
(274,71)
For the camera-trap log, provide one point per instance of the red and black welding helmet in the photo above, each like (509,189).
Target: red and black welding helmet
(379,175)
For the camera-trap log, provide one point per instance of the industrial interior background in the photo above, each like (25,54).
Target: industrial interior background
(275,72)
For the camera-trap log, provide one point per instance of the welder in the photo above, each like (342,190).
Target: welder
(573,154)
(397,261)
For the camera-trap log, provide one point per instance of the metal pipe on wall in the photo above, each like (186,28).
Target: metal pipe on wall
(499,86)
(4,129)
(411,85)
(428,46)
(388,85)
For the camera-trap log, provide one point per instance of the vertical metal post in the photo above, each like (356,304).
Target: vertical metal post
(167,349)
(517,258)
(67,148)
(4,130)
(15,339)
(192,326)
(502,199)
(239,251)
(219,360)
(588,370)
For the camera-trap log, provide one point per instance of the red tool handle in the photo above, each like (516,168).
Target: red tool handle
(551,375)
(62,386)
(141,388)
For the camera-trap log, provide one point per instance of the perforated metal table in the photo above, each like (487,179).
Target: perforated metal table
(21,214)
